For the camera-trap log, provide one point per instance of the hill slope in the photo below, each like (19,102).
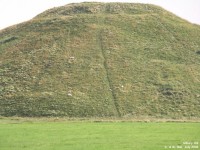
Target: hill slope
(101,60)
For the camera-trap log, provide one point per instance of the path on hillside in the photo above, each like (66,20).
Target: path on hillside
(100,42)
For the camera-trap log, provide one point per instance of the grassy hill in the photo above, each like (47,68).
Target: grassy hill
(101,60)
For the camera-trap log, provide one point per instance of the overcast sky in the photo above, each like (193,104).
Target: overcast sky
(16,11)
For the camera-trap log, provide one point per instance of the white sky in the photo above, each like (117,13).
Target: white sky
(16,11)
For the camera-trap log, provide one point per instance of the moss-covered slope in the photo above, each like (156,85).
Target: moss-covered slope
(101,60)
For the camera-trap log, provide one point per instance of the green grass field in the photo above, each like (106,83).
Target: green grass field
(85,135)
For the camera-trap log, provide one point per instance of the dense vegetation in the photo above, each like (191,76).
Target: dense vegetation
(101,60)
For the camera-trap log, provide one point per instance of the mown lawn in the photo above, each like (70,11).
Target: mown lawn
(66,135)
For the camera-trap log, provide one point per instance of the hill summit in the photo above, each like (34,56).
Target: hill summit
(101,60)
